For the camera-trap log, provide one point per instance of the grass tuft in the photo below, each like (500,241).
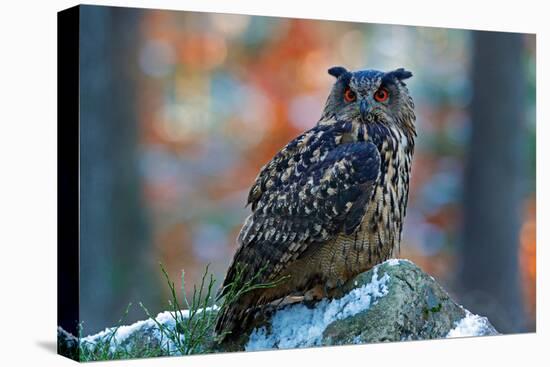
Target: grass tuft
(192,329)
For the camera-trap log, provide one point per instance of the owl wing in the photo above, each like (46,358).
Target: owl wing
(313,189)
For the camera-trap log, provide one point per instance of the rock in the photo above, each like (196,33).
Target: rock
(67,344)
(394,301)
(414,308)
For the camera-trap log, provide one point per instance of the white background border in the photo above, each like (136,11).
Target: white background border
(28,180)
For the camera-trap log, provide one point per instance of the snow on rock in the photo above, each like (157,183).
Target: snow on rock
(392,262)
(117,337)
(470,325)
(122,333)
(395,262)
(299,326)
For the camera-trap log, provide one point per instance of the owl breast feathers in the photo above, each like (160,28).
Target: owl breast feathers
(330,204)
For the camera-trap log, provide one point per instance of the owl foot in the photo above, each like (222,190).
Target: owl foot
(314,294)
(337,289)
(289,300)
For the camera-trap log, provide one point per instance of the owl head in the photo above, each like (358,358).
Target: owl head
(370,97)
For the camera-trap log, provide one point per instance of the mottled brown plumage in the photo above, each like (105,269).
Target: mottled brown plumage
(331,203)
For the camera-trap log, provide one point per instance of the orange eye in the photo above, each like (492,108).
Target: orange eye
(349,95)
(381,95)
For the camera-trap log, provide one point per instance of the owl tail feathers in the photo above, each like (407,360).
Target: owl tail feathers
(243,293)
(225,323)
(231,321)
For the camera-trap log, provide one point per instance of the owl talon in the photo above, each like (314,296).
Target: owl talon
(337,290)
(314,294)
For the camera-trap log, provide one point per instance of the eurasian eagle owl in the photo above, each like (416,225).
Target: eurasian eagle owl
(331,203)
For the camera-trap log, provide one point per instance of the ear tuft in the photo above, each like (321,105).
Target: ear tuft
(396,75)
(336,71)
(401,74)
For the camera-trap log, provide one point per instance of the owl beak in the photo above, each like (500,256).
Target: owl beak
(365,110)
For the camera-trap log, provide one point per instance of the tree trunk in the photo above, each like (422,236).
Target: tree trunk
(115,261)
(494,180)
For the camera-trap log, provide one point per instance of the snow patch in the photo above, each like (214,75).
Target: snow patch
(299,326)
(470,325)
(166,318)
(392,262)
(123,332)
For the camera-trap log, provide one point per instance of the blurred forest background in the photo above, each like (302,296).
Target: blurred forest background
(179,111)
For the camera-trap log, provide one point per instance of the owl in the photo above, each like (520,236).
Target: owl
(330,204)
